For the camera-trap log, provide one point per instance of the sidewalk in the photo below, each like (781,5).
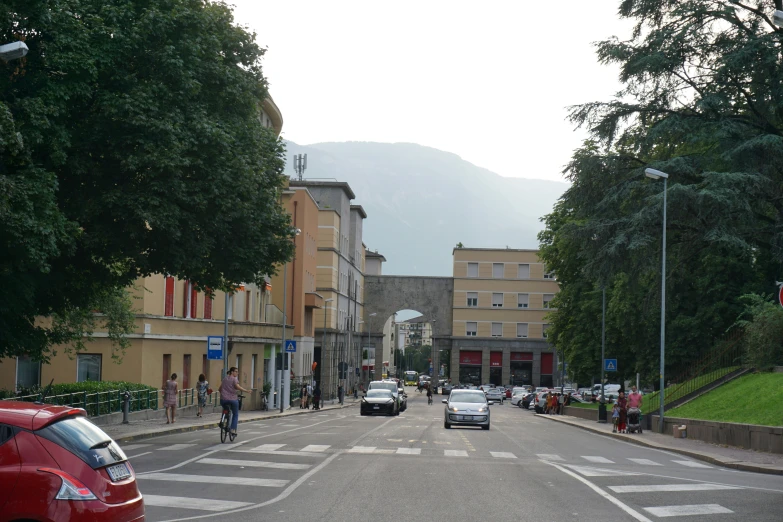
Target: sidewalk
(727,456)
(144,429)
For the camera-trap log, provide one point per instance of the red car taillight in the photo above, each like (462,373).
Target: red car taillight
(72,488)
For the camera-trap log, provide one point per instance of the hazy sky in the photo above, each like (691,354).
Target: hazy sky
(489,81)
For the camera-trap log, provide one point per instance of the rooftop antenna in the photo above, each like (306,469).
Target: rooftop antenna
(300,164)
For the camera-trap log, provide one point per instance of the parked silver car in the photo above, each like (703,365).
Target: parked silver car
(467,408)
(495,394)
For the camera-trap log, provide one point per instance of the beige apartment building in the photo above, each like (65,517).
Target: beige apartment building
(501,299)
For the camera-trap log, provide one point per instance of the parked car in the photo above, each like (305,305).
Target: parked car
(379,401)
(446,388)
(466,407)
(517,396)
(494,394)
(56,465)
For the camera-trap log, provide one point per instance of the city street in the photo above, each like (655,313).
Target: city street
(337,465)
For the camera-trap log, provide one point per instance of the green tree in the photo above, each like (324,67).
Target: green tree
(702,84)
(131,144)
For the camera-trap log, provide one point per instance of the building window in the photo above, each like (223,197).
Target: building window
(169,298)
(472,299)
(88,367)
(207,307)
(497,300)
(522,330)
(523,271)
(523,300)
(187,295)
(544,330)
(548,275)
(230,311)
(471,329)
(166,368)
(497,270)
(497,329)
(28,372)
(248,303)
(186,359)
(472,269)
(548,299)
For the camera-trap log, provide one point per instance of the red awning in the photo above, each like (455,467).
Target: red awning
(496,359)
(521,356)
(470,358)
(546,363)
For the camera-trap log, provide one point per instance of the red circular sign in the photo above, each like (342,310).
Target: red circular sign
(780,295)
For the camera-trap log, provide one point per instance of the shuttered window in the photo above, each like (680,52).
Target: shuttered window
(497,329)
(207,307)
(497,270)
(472,269)
(522,330)
(169,298)
(497,300)
(523,300)
(523,272)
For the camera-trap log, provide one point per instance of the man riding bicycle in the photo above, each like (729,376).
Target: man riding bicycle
(228,396)
(429,395)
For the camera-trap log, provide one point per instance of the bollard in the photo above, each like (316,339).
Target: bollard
(125,406)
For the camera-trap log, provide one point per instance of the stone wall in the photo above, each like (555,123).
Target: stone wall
(748,436)
(582,413)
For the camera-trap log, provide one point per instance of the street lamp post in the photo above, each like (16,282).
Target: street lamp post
(286,357)
(13,51)
(602,403)
(368,345)
(657,174)
(323,350)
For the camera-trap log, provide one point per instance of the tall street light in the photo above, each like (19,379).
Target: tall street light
(656,175)
(323,350)
(13,51)
(368,345)
(286,357)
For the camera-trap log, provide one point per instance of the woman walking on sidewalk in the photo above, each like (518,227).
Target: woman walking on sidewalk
(170,398)
(622,403)
(201,388)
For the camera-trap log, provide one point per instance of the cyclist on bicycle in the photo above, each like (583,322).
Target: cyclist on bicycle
(228,396)
(429,394)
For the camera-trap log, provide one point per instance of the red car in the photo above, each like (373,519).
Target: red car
(56,465)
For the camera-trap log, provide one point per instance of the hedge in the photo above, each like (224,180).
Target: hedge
(97,397)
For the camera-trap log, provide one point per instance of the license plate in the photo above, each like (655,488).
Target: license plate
(376,407)
(466,417)
(118,472)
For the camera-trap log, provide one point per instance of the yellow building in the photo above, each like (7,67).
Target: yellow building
(501,299)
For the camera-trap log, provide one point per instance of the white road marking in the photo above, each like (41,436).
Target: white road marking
(549,456)
(139,455)
(176,447)
(268,447)
(693,509)
(207,479)
(455,453)
(653,488)
(645,462)
(601,472)
(362,449)
(289,425)
(502,455)
(408,451)
(316,448)
(598,460)
(133,446)
(691,464)
(635,514)
(203,504)
(279,452)
(253,463)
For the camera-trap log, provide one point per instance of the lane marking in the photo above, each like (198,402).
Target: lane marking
(133,446)
(203,504)
(652,488)
(268,447)
(139,455)
(455,453)
(693,509)
(549,456)
(598,460)
(646,462)
(502,455)
(253,463)
(692,464)
(635,514)
(408,451)
(588,471)
(316,448)
(206,479)
(362,449)
(279,452)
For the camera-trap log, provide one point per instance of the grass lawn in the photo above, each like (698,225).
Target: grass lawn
(751,399)
(676,391)
(585,405)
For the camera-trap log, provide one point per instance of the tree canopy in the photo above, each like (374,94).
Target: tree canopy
(131,144)
(701,101)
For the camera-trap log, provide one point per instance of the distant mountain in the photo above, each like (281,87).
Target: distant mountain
(421,202)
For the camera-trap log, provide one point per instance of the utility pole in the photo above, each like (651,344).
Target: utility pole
(300,165)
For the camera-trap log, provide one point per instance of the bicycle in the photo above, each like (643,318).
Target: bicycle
(429,400)
(225,422)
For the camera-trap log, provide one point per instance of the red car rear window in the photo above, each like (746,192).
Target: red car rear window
(85,440)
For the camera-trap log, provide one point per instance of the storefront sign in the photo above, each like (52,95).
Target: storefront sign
(521,356)
(470,358)
(496,359)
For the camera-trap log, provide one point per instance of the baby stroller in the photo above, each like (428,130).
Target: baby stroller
(634,418)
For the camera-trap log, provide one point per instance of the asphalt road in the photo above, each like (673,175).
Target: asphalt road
(339,466)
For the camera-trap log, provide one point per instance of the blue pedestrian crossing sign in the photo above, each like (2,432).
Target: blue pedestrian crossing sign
(290,346)
(610,365)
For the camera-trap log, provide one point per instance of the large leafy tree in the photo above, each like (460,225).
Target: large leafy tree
(131,144)
(703,84)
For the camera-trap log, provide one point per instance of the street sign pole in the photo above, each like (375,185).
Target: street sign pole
(601,403)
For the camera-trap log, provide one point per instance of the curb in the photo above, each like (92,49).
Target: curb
(718,461)
(199,427)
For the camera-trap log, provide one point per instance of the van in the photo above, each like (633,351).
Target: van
(608,388)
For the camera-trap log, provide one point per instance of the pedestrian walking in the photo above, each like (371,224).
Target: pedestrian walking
(202,389)
(303,400)
(317,398)
(309,392)
(170,399)
(622,403)
(615,417)
(560,403)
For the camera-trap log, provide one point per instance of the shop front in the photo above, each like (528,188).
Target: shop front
(547,364)
(521,368)
(470,367)
(496,368)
